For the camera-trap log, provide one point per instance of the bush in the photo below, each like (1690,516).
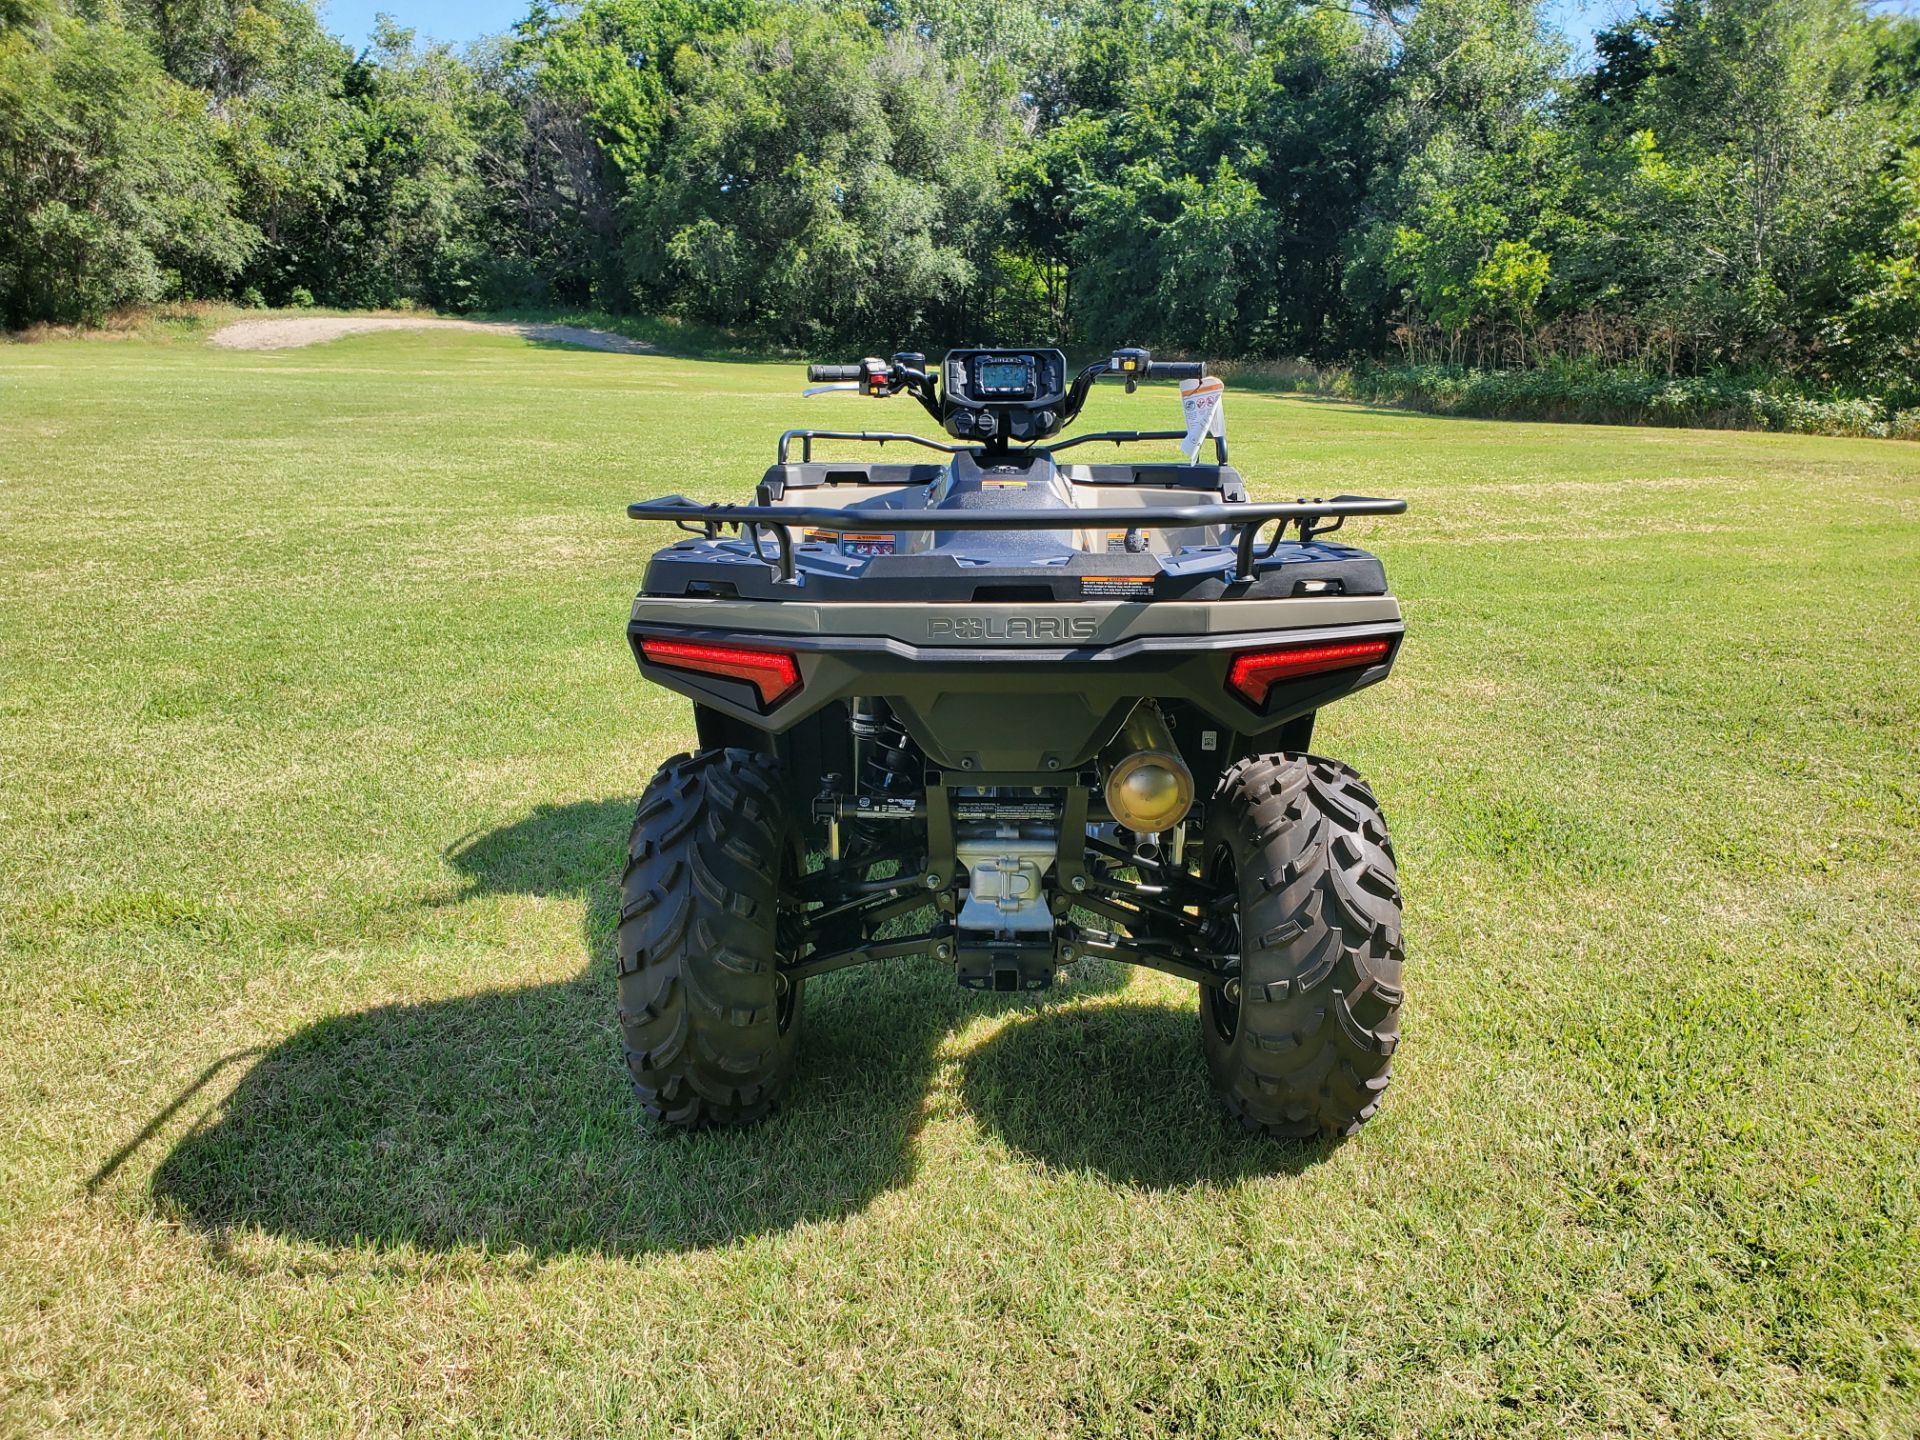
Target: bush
(1596,395)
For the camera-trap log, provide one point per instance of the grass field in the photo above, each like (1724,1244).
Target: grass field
(318,739)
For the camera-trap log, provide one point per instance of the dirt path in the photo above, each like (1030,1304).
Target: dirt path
(286,332)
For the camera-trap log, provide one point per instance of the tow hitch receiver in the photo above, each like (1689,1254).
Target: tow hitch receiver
(1007,966)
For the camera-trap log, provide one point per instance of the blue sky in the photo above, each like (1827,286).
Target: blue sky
(450,20)
(459,21)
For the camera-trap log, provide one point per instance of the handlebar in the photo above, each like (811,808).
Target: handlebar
(904,374)
(1156,370)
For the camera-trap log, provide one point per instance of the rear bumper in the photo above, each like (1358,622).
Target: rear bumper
(1059,626)
(1001,687)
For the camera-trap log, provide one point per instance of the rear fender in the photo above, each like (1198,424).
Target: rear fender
(1018,705)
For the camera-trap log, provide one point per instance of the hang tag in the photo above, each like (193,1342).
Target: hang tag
(1204,401)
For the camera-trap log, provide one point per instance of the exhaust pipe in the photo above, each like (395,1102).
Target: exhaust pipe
(1148,787)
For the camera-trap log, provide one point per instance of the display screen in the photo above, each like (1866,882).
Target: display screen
(1004,375)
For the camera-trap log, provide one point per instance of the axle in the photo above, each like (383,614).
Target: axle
(1016,868)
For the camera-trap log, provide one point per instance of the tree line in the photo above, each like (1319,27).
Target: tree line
(1723,184)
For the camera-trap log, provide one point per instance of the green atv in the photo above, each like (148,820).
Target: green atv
(1025,711)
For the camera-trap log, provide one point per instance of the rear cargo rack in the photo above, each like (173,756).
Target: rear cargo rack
(1245,519)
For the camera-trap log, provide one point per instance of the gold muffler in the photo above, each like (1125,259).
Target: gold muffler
(1149,788)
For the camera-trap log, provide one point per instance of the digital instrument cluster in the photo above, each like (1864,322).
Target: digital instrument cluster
(1003,394)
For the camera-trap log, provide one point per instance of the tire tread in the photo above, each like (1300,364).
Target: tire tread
(697,965)
(1321,949)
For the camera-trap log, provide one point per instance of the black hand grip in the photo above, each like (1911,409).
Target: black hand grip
(833,372)
(1176,369)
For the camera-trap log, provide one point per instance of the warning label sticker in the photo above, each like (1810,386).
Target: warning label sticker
(1117,587)
(853,544)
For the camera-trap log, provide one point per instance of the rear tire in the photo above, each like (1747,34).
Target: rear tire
(708,1022)
(1306,1047)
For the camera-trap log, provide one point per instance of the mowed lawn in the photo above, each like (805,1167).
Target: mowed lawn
(318,743)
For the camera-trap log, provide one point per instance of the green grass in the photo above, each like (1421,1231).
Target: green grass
(318,735)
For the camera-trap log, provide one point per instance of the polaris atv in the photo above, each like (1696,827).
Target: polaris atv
(1007,711)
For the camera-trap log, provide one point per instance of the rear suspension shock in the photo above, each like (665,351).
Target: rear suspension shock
(887,765)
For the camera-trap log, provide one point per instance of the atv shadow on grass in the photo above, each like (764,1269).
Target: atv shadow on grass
(504,1118)
(1116,1089)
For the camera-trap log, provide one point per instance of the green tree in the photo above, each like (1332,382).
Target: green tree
(592,93)
(111,187)
(1209,163)
(1734,144)
(1729,182)
(1471,195)
(820,182)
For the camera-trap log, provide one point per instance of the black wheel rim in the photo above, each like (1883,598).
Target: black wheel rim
(1216,1011)
(787,945)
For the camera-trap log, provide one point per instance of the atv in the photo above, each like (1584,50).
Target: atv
(1005,711)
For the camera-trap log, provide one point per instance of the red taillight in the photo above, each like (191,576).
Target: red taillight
(1258,671)
(773,674)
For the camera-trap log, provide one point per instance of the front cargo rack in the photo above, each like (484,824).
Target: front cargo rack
(1246,519)
(900,437)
